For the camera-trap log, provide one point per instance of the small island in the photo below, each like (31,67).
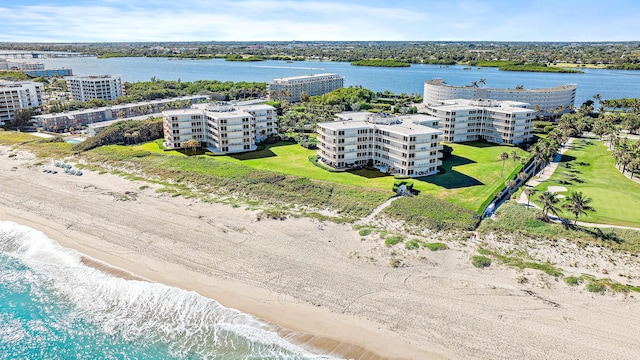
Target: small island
(235,57)
(380,63)
(520,66)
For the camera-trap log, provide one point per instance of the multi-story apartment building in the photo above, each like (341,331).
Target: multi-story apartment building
(16,95)
(547,101)
(291,88)
(105,87)
(405,145)
(500,122)
(221,127)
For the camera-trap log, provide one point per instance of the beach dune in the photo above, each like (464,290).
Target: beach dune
(322,284)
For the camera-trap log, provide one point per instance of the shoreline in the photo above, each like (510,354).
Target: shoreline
(316,339)
(311,327)
(326,287)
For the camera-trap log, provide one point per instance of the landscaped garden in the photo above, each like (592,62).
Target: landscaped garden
(283,173)
(588,167)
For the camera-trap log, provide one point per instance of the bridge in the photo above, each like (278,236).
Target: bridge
(18,54)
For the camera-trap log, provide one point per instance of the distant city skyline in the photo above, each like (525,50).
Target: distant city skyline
(272,20)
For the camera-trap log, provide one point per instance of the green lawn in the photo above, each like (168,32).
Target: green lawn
(589,167)
(470,176)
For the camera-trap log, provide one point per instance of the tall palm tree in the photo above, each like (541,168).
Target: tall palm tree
(549,201)
(528,191)
(578,204)
(522,176)
(511,185)
(504,156)
(514,156)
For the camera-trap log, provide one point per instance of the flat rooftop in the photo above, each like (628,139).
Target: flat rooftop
(304,77)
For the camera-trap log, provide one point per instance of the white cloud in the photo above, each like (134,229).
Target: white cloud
(256,20)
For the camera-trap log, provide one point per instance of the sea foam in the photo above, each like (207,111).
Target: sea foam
(184,323)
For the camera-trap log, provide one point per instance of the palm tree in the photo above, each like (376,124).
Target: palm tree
(511,184)
(549,201)
(504,156)
(528,191)
(514,156)
(522,176)
(578,204)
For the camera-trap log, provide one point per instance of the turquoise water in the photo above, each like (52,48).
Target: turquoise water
(610,84)
(54,307)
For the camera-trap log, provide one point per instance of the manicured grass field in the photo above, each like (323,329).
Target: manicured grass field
(470,176)
(589,167)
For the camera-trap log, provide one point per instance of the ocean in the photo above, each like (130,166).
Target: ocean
(52,306)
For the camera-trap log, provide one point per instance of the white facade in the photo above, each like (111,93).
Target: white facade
(500,122)
(16,95)
(85,117)
(105,87)
(20,65)
(222,127)
(405,145)
(547,100)
(291,88)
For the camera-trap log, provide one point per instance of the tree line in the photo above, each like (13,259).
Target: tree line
(622,55)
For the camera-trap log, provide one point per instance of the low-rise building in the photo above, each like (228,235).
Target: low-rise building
(6,64)
(221,127)
(105,87)
(500,122)
(292,88)
(80,118)
(49,72)
(405,145)
(16,95)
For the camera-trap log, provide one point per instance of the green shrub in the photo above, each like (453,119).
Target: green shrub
(432,213)
(436,246)
(596,287)
(393,240)
(364,232)
(572,280)
(276,214)
(480,261)
(412,244)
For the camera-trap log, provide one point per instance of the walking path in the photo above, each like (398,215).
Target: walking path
(376,211)
(545,174)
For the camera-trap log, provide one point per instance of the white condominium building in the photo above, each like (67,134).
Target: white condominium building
(547,101)
(221,127)
(105,87)
(405,145)
(500,122)
(291,88)
(16,95)
(18,65)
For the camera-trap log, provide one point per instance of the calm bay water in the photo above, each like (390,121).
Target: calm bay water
(609,84)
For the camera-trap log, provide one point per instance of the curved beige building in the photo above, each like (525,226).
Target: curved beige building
(547,100)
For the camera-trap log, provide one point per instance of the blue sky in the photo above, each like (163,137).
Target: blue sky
(263,20)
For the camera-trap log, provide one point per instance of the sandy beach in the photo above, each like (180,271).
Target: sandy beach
(327,287)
